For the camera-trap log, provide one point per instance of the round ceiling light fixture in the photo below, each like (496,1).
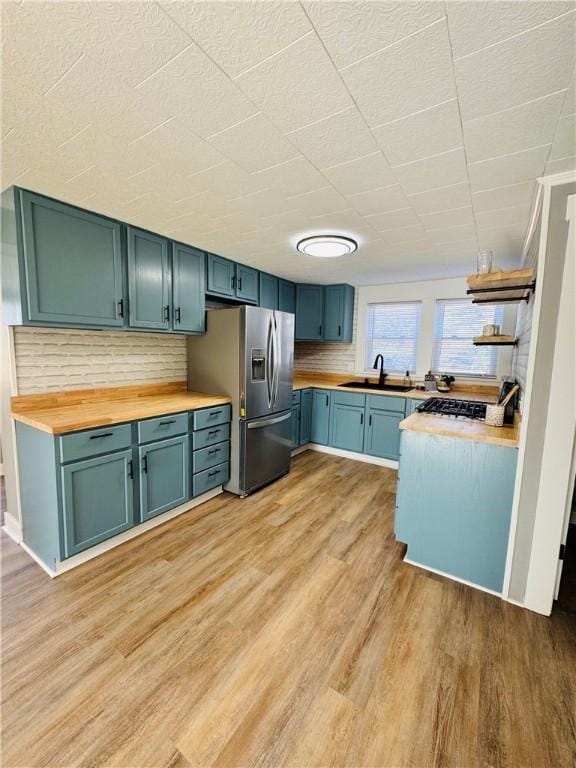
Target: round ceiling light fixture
(327,246)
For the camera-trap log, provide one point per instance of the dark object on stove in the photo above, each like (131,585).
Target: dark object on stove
(465,409)
(512,405)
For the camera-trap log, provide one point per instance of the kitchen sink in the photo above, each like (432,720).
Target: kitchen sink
(383,388)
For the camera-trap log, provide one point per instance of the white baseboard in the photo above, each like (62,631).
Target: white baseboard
(453,578)
(12,527)
(389,463)
(106,546)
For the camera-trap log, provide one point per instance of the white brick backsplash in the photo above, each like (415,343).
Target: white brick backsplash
(50,359)
(323,356)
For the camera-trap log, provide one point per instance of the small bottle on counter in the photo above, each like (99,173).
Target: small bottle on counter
(407,380)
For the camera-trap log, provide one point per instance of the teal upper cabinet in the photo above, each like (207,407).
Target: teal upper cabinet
(338,312)
(247,284)
(221,276)
(309,312)
(71,265)
(268,291)
(149,280)
(286,296)
(320,416)
(97,500)
(188,289)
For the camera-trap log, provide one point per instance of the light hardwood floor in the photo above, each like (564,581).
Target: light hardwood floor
(279,630)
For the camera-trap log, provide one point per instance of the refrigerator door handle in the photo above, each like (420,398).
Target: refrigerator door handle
(268,422)
(269,373)
(277,358)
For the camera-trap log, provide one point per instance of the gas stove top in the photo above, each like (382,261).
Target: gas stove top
(464,409)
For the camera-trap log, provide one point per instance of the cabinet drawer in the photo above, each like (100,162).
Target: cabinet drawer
(296,398)
(209,417)
(209,457)
(162,427)
(81,445)
(348,398)
(210,436)
(387,403)
(210,478)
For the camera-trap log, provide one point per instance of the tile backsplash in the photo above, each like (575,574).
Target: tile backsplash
(53,359)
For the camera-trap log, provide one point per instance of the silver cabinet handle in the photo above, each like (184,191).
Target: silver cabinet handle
(267,422)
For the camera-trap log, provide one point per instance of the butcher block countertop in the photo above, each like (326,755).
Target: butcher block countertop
(59,412)
(467,429)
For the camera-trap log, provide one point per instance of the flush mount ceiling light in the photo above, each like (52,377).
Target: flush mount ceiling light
(327,246)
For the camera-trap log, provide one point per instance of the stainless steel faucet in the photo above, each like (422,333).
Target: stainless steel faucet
(382,375)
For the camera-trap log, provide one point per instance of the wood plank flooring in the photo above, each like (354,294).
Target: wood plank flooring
(278,630)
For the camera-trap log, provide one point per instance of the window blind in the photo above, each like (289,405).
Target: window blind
(457,322)
(392,331)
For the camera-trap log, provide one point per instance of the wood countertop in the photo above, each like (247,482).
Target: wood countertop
(466,429)
(71,411)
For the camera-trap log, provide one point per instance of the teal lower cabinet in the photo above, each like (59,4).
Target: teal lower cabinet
(347,421)
(454,505)
(211,448)
(320,426)
(97,500)
(164,474)
(295,426)
(382,433)
(210,479)
(305,416)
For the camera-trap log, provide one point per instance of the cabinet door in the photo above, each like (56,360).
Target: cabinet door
(320,416)
(383,434)
(221,275)
(347,427)
(97,500)
(305,416)
(148,280)
(247,284)
(188,289)
(268,291)
(72,263)
(295,426)
(309,312)
(286,296)
(164,476)
(338,312)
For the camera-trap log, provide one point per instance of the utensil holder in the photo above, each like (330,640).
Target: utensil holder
(495,415)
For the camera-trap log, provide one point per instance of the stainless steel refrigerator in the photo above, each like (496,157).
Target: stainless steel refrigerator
(247,353)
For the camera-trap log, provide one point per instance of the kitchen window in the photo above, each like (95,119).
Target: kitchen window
(457,322)
(392,330)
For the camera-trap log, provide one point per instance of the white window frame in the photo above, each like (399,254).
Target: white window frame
(368,339)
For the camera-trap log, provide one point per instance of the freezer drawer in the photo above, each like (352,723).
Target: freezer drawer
(265,447)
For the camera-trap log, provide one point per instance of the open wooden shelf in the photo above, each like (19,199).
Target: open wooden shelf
(495,341)
(501,287)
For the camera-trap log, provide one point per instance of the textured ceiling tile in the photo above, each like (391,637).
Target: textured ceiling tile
(405,235)
(475,25)
(390,198)
(446,198)
(440,171)
(347,222)
(239,35)
(361,175)
(393,219)
(291,178)
(449,218)
(335,139)
(570,102)
(352,30)
(320,201)
(411,75)
(427,133)
(298,86)
(504,197)
(193,87)
(227,181)
(564,144)
(523,127)
(254,144)
(506,244)
(524,68)
(507,170)
(560,166)
(503,217)
(465,233)
(28,50)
